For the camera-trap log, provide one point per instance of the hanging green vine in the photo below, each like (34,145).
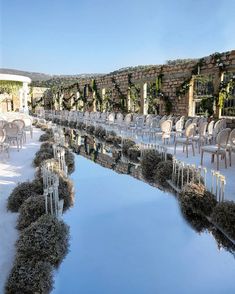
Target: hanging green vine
(184,87)
(10,87)
(225,91)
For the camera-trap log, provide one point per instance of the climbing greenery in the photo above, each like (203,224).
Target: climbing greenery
(225,91)
(10,87)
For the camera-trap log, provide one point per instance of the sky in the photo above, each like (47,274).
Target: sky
(100,36)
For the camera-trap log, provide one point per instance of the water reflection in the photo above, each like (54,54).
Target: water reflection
(87,144)
(128,237)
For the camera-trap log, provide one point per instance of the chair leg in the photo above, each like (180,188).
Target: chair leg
(187,150)
(217,161)
(212,158)
(225,160)
(193,149)
(175,148)
(202,157)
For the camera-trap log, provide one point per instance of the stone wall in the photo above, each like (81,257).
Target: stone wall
(173,76)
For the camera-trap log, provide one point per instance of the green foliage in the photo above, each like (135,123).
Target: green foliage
(196,203)
(163,172)
(48,136)
(10,87)
(19,194)
(184,87)
(127,143)
(40,156)
(28,276)
(30,211)
(224,216)
(90,129)
(195,198)
(225,91)
(45,240)
(100,132)
(206,106)
(149,164)
(134,153)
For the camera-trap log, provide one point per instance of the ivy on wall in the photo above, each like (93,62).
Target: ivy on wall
(10,87)
(225,91)
(184,87)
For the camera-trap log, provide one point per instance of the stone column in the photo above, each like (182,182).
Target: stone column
(128,100)
(94,101)
(191,102)
(145,99)
(103,97)
(24,91)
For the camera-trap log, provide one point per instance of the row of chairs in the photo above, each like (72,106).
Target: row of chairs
(13,131)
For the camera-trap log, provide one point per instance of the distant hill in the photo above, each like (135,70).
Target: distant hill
(46,80)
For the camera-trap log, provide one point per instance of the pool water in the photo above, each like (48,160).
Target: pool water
(129,237)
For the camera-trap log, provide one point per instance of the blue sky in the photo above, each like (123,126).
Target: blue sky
(87,36)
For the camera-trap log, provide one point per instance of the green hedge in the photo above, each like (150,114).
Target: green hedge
(149,163)
(224,216)
(28,276)
(46,240)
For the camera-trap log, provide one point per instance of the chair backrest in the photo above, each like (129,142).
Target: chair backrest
(2,135)
(202,128)
(190,130)
(86,114)
(20,123)
(166,126)
(12,129)
(195,120)
(2,123)
(222,137)
(140,121)
(119,117)
(148,120)
(216,124)
(163,119)
(179,125)
(232,138)
(103,116)
(27,122)
(127,118)
(111,117)
(187,123)
(210,127)
(223,124)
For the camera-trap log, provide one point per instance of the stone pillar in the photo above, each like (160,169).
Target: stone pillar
(24,91)
(191,103)
(94,101)
(145,99)
(103,97)
(128,100)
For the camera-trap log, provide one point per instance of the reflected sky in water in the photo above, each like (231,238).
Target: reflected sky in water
(128,237)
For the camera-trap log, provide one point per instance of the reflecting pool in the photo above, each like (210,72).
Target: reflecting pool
(129,237)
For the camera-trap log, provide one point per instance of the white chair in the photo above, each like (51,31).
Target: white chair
(187,140)
(4,146)
(21,125)
(231,145)
(200,139)
(219,149)
(179,127)
(13,134)
(187,123)
(166,128)
(209,133)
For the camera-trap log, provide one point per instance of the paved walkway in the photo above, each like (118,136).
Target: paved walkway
(18,168)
